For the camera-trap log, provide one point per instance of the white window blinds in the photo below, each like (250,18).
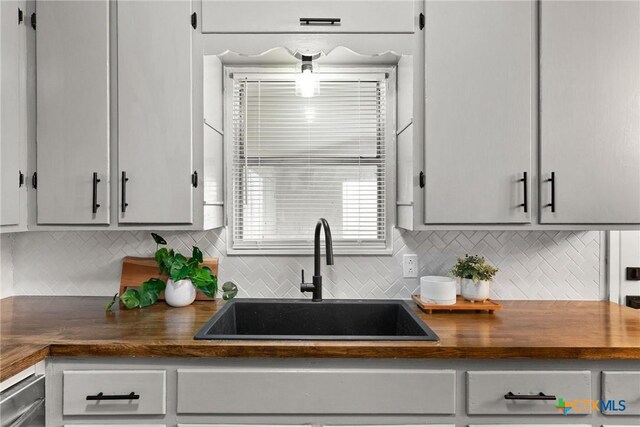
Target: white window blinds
(297,159)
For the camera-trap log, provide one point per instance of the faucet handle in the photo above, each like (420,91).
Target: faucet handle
(306,287)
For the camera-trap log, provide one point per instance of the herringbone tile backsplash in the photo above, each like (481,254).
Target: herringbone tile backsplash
(533,265)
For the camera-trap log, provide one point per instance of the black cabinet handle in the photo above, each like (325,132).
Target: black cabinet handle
(194,179)
(539,396)
(95,203)
(320,21)
(525,205)
(101,396)
(552,180)
(123,183)
(20,179)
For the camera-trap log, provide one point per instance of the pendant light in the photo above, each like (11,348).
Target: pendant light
(307,85)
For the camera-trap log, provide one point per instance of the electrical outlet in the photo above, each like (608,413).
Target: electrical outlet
(410,265)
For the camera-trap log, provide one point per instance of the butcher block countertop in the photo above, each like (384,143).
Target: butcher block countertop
(33,328)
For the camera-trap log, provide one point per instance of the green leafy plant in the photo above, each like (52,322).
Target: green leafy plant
(177,267)
(474,267)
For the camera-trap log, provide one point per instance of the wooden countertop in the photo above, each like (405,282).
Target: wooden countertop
(32,328)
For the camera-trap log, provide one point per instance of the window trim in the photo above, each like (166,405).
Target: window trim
(390,174)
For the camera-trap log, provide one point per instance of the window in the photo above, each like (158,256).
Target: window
(295,159)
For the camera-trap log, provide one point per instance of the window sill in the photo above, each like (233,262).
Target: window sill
(291,252)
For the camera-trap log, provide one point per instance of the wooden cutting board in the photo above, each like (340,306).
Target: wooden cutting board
(137,270)
(460,305)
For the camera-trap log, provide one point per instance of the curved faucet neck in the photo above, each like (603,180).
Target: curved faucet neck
(322,223)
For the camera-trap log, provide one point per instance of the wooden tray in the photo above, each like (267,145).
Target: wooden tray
(137,270)
(460,305)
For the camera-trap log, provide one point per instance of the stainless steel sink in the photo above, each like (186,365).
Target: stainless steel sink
(371,320)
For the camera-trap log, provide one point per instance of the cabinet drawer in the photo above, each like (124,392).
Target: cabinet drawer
(315,391)
(107,392)
(282,16)
(621,386)
(488,391)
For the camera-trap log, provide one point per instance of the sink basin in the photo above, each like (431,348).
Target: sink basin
(370,320)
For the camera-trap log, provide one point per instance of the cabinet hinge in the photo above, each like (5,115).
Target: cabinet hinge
(20,179)
(34,180)
(33,20)
(20,16)
(194,20)
(421,21)
(194,179)
(421,179)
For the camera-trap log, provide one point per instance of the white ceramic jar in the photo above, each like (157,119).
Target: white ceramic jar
(180,293)
(475,291)
(438,290)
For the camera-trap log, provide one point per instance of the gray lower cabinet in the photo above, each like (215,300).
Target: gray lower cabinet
(235,392)
(524,392)
(621,392)
(589,112)
(314,391)
(114,392)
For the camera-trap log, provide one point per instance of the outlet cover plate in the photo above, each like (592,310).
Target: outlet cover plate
(410,265)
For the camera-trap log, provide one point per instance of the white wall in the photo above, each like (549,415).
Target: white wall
(624,252)
(6,265)
(534,265)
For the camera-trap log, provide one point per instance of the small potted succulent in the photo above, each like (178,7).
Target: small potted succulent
(475,276)
(184,277)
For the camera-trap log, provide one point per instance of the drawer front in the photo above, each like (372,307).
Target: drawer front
(488,391)
(107,392)
(620,389)
(282,16)
(319,391)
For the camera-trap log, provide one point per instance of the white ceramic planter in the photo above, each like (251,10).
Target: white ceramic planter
(438,289)
(475,291)
(180,293)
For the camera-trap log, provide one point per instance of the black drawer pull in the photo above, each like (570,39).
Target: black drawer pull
(320,21)
(552,180)
(101,396)
(539,396)
(95,203)
(525,205)
(124,191)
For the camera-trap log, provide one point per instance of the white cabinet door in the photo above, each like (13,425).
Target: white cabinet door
(72,56)
(590,112)
(154,112)
(12,142)
(286,16)
(478,98)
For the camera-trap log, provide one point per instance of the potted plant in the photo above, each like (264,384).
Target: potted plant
(475,276)
(184,277)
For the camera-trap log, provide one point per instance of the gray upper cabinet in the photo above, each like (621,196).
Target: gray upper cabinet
(72,56)
(590,112)
(478,111)
(154,112)
(308,16)
(12,136)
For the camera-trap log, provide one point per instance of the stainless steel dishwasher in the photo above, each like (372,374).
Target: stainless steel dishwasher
(22,405)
